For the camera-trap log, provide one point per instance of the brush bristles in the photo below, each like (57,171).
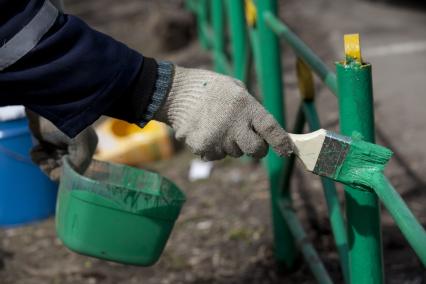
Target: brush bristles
(362,163)
(351,161)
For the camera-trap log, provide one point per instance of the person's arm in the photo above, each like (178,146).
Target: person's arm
(71,74)
(75,74)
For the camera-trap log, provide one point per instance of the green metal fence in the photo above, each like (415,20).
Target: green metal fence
(246,34)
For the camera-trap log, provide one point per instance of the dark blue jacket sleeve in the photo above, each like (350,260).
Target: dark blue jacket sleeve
(74,74)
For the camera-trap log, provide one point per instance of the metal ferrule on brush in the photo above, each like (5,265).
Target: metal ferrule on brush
(333,153)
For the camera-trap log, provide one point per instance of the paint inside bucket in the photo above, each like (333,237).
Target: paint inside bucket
(116,212)
(26,194)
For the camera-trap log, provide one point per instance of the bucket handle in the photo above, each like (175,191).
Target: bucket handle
(14,155)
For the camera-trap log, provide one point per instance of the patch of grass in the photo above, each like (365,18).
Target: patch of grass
(239,234)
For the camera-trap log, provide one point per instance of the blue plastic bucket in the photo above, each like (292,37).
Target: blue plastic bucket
(26,194)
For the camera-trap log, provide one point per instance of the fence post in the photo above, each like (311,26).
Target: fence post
(238,37)
(203,21)
(272,91)
(362,207)
(218,24)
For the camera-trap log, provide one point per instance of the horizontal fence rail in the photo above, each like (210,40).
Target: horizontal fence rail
(303,51)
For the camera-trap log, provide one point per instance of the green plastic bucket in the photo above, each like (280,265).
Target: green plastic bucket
(116,212)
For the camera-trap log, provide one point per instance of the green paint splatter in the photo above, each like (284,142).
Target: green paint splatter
(353,63)
(362,164)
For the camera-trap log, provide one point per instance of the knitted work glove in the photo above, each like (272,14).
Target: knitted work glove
(53,145)
(216,116)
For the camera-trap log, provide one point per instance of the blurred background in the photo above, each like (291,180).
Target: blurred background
(223,234)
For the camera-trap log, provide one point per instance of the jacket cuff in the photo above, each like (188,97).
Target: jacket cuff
(132,105)
(162,87)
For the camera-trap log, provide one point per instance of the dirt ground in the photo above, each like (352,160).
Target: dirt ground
(224,233)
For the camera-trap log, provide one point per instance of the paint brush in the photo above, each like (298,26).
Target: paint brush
(349,160)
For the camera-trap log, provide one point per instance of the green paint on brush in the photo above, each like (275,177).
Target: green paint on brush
(351,161)
(362,163)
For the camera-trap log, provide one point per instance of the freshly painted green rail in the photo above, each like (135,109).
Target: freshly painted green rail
(364,236)
(303,51)
(410,227)
(322,70)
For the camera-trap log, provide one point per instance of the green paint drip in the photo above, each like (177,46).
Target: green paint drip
(362,164)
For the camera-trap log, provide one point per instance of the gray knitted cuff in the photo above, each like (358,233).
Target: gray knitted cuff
(162,87)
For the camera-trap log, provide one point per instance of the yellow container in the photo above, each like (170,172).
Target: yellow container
(126,143)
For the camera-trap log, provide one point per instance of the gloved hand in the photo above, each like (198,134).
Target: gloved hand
(216,116)
(53,145)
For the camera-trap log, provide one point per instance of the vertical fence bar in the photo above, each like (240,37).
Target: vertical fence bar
(311,256)
(255,49)
(362,207)
(272,91)
(338,226)
(307,91)
(218,43)
(299,124)
(203,22)
(238,37)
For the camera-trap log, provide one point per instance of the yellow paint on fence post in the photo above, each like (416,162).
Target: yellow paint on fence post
(251,13)
(305,80)
(352,48)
